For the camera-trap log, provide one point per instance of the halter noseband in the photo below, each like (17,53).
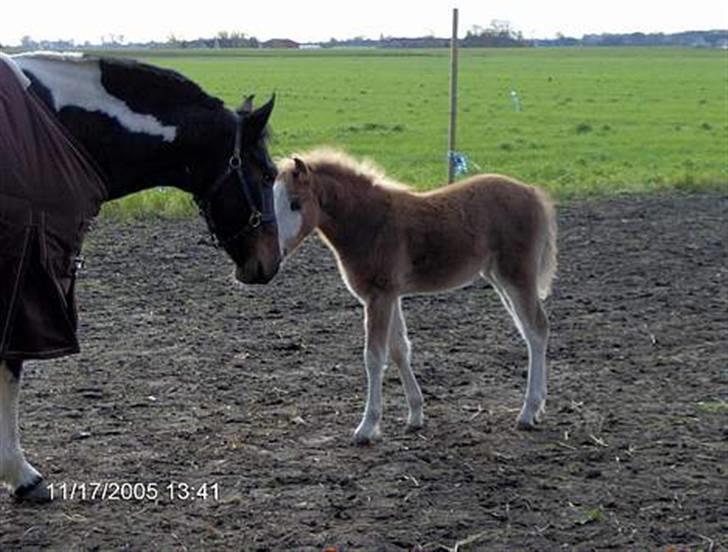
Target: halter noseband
(265,215)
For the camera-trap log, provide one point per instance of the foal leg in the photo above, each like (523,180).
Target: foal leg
(378,317)
(399,352)
(15,471)
(525,307)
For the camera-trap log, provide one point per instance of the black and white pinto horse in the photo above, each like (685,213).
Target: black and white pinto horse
(144,126)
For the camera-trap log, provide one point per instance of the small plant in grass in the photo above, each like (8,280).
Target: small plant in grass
(583,128)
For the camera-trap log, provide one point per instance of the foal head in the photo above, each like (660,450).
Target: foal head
(296,204)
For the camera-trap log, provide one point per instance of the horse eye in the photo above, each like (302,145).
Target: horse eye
(295,205)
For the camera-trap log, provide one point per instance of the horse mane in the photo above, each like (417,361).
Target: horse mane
(340,164)
(160,84)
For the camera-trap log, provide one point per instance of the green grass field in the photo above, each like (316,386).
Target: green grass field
(593,121)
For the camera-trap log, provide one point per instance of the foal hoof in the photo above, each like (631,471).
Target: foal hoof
(363,439)
(526,425)
(411,428)
(528,419)
(36,492)
(527,422)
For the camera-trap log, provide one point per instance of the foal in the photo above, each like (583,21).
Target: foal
(390,241)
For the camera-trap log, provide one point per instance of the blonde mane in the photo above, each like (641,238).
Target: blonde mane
(333,160)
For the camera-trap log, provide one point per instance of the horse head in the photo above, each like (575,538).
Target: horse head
(237,202)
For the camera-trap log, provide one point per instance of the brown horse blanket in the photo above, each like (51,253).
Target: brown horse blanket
(49,192)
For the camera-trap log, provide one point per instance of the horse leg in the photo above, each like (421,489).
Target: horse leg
(523,304)
(399,351)
(378,317)
(15,472)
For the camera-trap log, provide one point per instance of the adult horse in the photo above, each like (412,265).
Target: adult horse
(76,131)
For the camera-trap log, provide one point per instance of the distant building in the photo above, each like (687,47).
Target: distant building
(281,43)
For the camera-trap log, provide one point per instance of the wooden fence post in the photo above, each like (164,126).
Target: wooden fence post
(453,97)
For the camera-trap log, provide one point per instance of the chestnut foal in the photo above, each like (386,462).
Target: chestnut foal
(390,241)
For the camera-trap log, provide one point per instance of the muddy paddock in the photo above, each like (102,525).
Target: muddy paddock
(245,399)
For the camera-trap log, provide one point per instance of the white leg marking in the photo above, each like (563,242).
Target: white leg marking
(536,339)
(368,429)
(378,319)
(400,353)
(534,403)
(15,471)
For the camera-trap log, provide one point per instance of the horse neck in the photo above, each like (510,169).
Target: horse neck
(352,210)
(133,148)
(132,163)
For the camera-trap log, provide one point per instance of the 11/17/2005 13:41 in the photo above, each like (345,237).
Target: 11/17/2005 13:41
(173,491)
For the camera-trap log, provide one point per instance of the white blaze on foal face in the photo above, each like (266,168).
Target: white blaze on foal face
(288,215)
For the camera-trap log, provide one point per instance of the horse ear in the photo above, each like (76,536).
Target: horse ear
(300,167)
(247,107)
(259,118)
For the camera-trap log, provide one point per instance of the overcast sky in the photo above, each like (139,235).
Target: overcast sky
(316,20)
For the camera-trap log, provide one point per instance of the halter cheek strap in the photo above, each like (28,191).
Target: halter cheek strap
(264,215)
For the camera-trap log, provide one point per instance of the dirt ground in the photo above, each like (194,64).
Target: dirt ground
(253,393)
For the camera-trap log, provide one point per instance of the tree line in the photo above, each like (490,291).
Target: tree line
(498,34)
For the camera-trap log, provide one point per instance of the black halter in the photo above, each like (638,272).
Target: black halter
(263,215)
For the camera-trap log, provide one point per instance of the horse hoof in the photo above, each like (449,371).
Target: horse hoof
(413,428)
(362,439)
(526,420)
(36,492)
(525,425)
(528,423)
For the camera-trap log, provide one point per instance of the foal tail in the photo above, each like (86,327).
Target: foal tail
(547,260)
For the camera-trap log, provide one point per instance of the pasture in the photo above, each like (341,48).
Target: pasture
(592,121)
(252,393)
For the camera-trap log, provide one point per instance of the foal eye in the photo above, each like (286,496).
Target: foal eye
(295,205)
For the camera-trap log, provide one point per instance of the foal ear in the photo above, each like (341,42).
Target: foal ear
(300,167)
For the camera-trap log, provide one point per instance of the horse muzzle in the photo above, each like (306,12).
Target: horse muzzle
(256,272)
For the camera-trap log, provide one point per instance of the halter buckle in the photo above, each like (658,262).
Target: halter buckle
(235,162)
(256,217)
